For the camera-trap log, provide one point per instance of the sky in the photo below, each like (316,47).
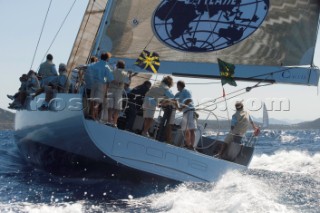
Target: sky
(21,23)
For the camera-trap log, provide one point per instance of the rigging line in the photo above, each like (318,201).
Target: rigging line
(220,97)
(226,99)
(263,80)
(148,42)
(189,83)
(43,25)
(267,84)
(226,103)
(271,73)
(233,96)
(258,84)
(236,95)
(214,100)
(56,35)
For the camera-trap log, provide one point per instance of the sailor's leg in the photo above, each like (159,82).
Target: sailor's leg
(110,115)
(130,116)
(192,137)
(95,110)
(146,126)
(227,140)
(115,116)
(104,113)
(187,138)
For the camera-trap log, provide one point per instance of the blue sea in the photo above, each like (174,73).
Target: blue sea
(284,176)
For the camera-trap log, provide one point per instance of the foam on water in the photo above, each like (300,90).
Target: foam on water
(288,138)
(289,161)
(235,192)
(284,176)
(43,208)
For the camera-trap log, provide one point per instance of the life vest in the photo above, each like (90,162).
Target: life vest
(242,124)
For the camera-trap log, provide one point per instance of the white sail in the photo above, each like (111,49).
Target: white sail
(266,39)
(88,30)
(265,117)
(259,37)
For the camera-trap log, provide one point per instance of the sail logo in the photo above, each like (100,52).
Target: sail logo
(207,25)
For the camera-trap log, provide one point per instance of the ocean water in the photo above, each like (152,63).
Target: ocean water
(284,176)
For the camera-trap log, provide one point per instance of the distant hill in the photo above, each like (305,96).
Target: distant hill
(224,124)
(309,124)
(6,119)
(278,121)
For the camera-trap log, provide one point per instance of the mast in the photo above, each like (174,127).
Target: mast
(103,24)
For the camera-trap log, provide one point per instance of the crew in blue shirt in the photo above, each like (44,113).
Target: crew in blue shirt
(101,76)
(188,124)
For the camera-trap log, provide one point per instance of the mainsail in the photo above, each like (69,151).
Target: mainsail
(259,37)
(88,38)
(89,27)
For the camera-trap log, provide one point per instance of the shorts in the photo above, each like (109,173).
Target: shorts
(98,92)
(233,138)
(188,121)
(172,117)
(115,99)
(149,107)
(86,93)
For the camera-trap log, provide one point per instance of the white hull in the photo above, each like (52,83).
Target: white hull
(68,131)
(38,131)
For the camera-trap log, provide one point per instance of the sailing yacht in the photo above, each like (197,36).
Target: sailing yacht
(268,41)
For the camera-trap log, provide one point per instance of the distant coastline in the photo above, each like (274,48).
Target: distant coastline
(6,119)
(225,125)
(7,122)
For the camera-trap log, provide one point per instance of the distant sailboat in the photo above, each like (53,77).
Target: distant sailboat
(268,41)
(265,117)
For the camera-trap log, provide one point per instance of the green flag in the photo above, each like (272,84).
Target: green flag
(226,72)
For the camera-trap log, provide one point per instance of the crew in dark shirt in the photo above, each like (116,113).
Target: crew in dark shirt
(135,98)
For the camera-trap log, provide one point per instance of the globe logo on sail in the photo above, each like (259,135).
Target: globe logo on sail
(207,25)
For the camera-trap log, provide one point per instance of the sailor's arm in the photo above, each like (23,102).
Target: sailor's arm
(38,92)
(184,104)
(255,128)
(169,99)
(233,121)
(252,124)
